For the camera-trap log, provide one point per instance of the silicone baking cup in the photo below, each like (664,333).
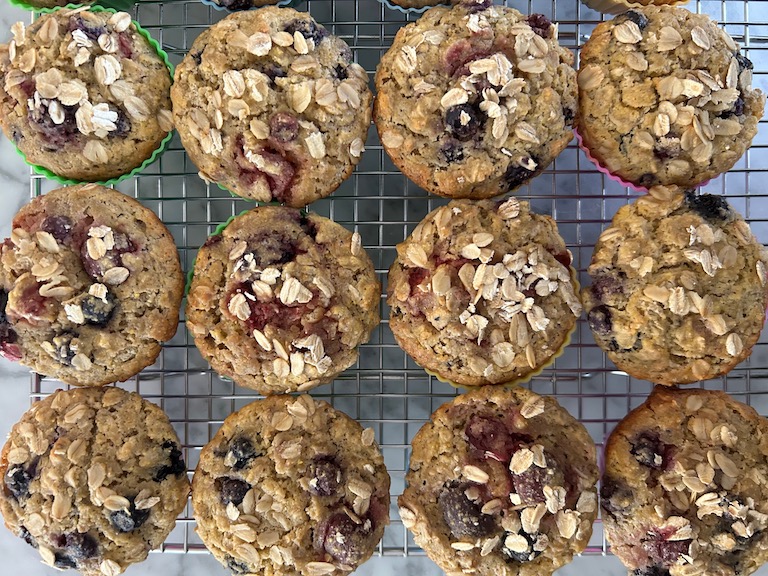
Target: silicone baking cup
(42,170)
(393,6)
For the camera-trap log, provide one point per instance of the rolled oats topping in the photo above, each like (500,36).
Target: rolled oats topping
(74,300)
(475,100)
(314,493)
(94,481)
(486,486)
(684,484)
(483,293)
(276,108)
(666,97)
(63,108)
(290,297)
(676,293)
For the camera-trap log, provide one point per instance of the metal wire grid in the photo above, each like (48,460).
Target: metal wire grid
(386,390)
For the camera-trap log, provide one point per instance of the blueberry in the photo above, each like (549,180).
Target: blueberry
(667,147)
(462,121)
(599,320)
(615,497)
(273,71)
(517,175)
(231,490)
(492,438)
(3,304)
(63,349)
(744,62)
(649,450)
(540,24)
(243,451)
(237,567)
(27,537)
(651,571)
(325,476)
(60,227)
(736,110)
(346,540)
(235,4)
(463,516)
(74,547)
(177,467)
(197,56)
(605,285)
(568,116)
(307,226)
(530,554)
(18,477)
(54,135)
(128,520)
(307,28)
(647,180)
(452,152)
(638,18)
(713,208)
(212,240)
(273,248)
(96,311)
(340,72)
(123,124)
(283,127)
(529,485)
(92,31)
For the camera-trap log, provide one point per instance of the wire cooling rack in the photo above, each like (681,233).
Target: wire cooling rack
(386,390)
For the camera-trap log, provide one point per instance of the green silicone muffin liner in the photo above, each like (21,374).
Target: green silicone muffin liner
(158,151)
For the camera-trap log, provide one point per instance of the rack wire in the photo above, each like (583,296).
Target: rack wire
(385,389)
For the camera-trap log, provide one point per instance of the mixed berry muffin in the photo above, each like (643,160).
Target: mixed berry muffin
(93,478)
(475,100)
(622,6)
(291,486)
(84,94)
(678,288)
(90,286)
(666,97)
(684,488)
(483,292)
(280,300)
(35,4)
(235,5)
(271,106)
(501,481)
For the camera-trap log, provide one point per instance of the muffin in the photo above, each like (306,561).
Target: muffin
(483,292)
(271,106)
(665,97)
(291,486)
(235,5)
(93,478)
(90,286)
(280,300)
(684,485)
(84,94)
(678,288)
(501,481)
(621,6)
(473,101)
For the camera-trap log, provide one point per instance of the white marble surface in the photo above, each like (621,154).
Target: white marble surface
(14,383)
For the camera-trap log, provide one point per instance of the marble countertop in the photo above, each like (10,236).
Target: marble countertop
(22,559)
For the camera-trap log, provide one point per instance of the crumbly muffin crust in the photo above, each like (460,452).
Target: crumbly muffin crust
(93,478)
(90,286)
(666,97)
(291,486)
(272,106)
(684,488)
(482,292)
(501,481)
(678,288)
(84,94)
(475,100)
(280,300)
